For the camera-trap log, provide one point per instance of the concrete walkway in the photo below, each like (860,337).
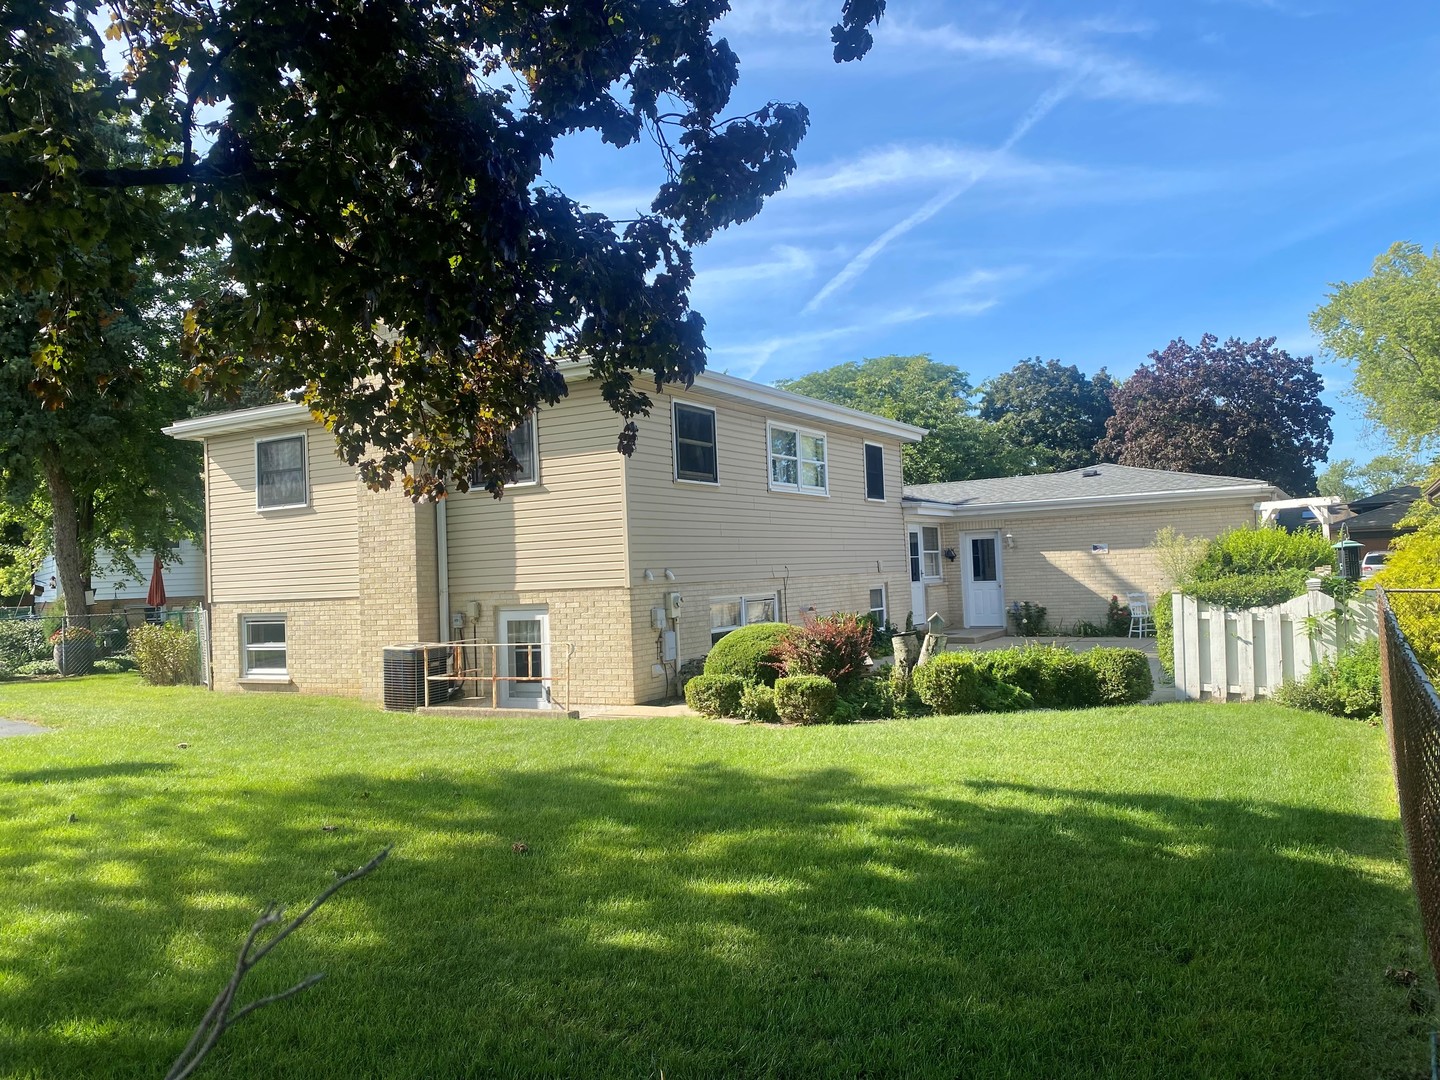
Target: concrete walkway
(20,727)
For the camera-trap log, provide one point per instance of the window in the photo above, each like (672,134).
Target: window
(797,461)
(930,550)
(874,472)
(263,646)
(877,606)
(522,445)
(732,612)
(280,473)
(695,457)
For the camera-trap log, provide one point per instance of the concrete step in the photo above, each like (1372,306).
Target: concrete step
(975,635)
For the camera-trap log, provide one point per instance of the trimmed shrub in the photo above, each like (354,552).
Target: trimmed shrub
(757,704)
(38,667)
(1053,677)
(805,699)
(1122,676)
(1348,686)
(1249,590)
(835,646)
(957,683)
(1251,552)
(715,695)
(166,655)
(900,688)
(749,653)
(868,699)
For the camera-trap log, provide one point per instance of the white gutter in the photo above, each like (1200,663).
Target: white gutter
(199,428)
(939,508)
(442,567)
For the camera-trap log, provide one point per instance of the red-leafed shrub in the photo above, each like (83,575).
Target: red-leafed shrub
(835,646)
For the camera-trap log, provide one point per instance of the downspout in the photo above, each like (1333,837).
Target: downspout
(442,568)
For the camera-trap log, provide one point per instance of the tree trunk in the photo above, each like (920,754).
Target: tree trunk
(69,561)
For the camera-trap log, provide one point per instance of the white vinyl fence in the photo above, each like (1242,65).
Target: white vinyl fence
(1223,655)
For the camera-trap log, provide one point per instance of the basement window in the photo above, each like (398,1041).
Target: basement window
(263,647)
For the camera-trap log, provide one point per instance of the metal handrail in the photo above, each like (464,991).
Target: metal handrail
(461,673)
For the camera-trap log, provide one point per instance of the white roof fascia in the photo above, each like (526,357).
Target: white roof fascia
(200,428)
(1095,501)
(729,386)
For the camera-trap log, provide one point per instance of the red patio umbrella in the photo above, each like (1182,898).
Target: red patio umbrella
(156,596)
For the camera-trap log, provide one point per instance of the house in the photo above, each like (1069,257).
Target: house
(742,503)
(1067,541)
(116,588)
(1376,518)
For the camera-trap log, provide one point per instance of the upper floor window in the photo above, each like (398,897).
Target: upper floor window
(525,447)
(695,455)
(798,461)
(874,472)
(280,480)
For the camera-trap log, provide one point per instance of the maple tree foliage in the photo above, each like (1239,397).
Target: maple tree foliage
(374,174)
(1238,408)
(1055,411)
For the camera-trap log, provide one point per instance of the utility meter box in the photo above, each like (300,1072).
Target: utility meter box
(673,603)
(657,618)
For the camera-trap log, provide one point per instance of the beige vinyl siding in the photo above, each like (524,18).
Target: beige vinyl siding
(566,531)
(306,553)
(740,529)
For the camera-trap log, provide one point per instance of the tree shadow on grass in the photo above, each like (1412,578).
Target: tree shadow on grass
(713,921)
(71,773)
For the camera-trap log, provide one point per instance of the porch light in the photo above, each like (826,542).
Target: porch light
(1009,541)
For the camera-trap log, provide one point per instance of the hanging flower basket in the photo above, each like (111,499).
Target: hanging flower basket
(74,650)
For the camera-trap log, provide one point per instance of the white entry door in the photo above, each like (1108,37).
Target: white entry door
(917,581)
(984,586)
(525,654)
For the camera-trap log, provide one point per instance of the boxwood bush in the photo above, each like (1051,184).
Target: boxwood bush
(1122,676)
(749,653)
(805,699)
(715,695)
(1054,677)
(959,683)
(757,704)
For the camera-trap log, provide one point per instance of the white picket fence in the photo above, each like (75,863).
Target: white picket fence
(1223,655)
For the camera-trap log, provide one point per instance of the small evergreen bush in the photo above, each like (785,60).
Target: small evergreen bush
(835,646)
(805,699)
(749,653)
(757,704)
(1122,676)
(38,667)
(1053,677)
(715,695)
(166,655)
(1263,589)
(1348,686)
(959,683)
(1251,551)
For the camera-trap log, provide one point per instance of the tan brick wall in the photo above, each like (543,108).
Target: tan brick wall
(325,645)
(1052,564)
(399,589)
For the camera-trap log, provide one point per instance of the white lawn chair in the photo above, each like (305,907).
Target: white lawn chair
(1142,622)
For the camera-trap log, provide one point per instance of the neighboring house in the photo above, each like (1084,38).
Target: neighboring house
(747,502)
(116,588)
(1067,541)
(1377,517)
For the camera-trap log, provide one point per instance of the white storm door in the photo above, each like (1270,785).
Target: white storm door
(984,587)
(525,654)
(917,583)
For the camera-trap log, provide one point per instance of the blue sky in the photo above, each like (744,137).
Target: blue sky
(1065,179)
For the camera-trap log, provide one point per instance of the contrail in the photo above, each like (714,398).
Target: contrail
(860,263)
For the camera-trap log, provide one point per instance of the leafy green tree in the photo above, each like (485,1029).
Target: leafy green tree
(373,174)
(1242,408)
(1348,480)
(1388,326)
(930,394)
(1058,414)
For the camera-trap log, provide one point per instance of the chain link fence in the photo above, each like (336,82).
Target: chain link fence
(34,645)
(1412,722)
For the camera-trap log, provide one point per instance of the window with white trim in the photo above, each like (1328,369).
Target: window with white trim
(732,612)
(930,551)
(798,461)
(695,444)
(874,472)
(280,475)
(263,651)
(877,606)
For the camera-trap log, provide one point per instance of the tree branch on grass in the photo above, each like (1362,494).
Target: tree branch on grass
(219,1018)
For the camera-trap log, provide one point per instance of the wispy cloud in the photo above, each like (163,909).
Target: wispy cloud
(783,263)
(861,262)
(920,165)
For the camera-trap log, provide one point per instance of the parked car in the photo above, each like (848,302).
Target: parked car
(1372,562)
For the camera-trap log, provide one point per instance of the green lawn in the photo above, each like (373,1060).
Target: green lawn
(1163,891)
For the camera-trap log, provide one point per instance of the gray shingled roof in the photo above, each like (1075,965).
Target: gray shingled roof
(1109,480)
